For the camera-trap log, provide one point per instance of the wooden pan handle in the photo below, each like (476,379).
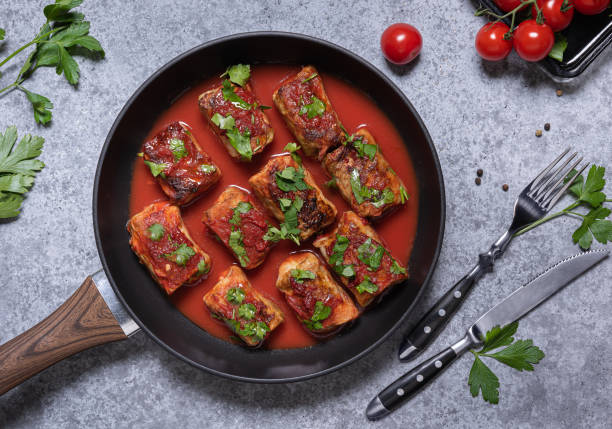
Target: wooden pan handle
(83,321)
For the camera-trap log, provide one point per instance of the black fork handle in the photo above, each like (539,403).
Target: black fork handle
(438,316)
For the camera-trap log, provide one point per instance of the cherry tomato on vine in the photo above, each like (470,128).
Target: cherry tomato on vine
(490,42)
(557,13)
(591,7)
(401,43)
(508,5)
(533,41)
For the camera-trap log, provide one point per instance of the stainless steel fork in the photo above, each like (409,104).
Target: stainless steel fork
(533,203)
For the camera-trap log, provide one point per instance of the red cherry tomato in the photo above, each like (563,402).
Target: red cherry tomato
(553,16)
(533,41)
(490,42)
(401,43)
(508,5)
(591,7)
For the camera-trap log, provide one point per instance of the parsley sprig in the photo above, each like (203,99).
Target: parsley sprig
(63,35)
(520,355)
(18,166)
(588,193)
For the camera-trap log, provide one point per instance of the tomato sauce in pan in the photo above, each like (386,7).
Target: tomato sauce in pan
(355,110)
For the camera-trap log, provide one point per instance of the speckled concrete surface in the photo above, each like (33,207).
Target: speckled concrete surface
(479,115)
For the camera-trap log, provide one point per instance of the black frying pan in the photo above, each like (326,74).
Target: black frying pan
(85,319)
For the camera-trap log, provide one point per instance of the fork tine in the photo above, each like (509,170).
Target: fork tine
(546,186)
(552,189)
(544,172)
(553,199)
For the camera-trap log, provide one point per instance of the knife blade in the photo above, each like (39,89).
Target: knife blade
(513,307)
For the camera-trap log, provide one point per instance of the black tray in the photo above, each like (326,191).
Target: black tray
(587,37)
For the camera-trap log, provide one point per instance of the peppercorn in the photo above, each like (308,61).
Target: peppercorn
(538,133)
(559,93)
(505,187)
(477,180)
(547,126)
(479,172)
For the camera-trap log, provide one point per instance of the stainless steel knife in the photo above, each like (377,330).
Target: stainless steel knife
(512,308)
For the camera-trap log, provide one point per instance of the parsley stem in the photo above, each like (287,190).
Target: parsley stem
(565,211)
(27,45)
(6,88)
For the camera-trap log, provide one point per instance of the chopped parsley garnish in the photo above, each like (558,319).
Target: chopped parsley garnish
(231,96)
(208,168)
(156,169)
(289,228)
(235,296)
(177,146)
(320,313)
(292,148)
(241,208)
(241,142)
(336,260)
(365,149)
(156,232)
(301,275)
(247,311)
(332,183)
(257,330)
(366,286)
(203,267)
(363,193)
(290,179)
(239,73)
(315,108)
(370,254)
(397,268)
(237,245)
(404,195)
(520,355)
(181,255)
(312,76)
(262,107)
(225,123)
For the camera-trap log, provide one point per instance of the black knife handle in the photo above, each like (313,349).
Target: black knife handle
(413,381)
(434,321)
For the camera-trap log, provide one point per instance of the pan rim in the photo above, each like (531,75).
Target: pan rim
(374,70)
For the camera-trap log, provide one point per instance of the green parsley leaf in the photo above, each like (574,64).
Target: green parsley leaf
(312,76)
(386,197)
(203,267)
(237,245)
(559,47)
(241,208)
(156,232)
(397,268)
(519,355)
(336,260)
(360,192)
(292,148)
(301,275)
(235,296)
(225,123)
(284,203)
(177,146)
(40,106)
(208,168)
(247,311)
(321,312)
(499,337)
(2,33)
(230,95)
(18,166)
(483,379)
(365,149)
(261,329)
(241,142)
(332,183)
(589,191)
(370,254)
(315,108)
(290,179)
(593,224)
(262,107)
(181,255)
(367,286)
(239,73)
(156,169)
(289,228)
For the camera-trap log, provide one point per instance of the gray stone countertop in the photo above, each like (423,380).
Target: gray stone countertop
(479,115)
